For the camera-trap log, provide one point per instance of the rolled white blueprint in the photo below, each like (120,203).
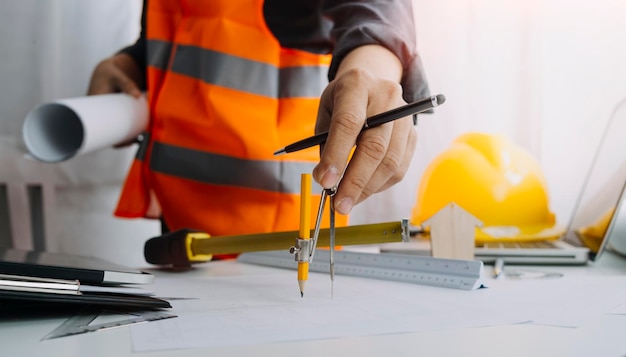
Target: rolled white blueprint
(62,129)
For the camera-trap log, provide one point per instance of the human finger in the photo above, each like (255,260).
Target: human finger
(392,171)
(109,78)
(343,109)
(127,85)
(361,178)
(371,149)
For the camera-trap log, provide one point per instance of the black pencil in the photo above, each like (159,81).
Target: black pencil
(373,121)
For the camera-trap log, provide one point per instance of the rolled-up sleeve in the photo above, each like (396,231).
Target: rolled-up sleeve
(387,23)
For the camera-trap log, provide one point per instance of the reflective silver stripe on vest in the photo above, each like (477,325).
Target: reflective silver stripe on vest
(273,176)
(239,73)
(158,53)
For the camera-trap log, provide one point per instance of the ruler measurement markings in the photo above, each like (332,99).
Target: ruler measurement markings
(419,270)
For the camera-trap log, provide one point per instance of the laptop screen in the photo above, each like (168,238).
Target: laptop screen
(595,210)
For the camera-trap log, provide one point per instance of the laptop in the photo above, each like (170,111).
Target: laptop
(582,242)
(87,270)
(578,245)
(598,220)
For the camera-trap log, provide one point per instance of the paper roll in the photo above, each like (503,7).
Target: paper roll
(60,130)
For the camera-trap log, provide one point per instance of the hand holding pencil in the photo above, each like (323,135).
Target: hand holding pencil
(368,81)
(382,156)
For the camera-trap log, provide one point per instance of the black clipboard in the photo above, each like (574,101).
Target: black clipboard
(12,299)
(75,270)
(86,269)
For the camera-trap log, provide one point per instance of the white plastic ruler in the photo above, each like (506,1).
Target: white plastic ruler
(448,273)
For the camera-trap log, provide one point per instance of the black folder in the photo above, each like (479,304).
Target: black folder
(52,279)
(88,270)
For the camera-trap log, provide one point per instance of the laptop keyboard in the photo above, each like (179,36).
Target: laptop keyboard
(518,245)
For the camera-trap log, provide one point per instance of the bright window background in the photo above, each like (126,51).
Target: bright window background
(546,73)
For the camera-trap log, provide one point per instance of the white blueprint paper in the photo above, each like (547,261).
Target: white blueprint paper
(60,130)
(267,308)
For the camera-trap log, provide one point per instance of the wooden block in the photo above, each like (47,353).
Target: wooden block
(452,233)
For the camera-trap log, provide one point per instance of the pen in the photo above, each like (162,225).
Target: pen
(373,121)
(498,265)
(305,228)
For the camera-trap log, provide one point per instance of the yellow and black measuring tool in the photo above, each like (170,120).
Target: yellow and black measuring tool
(184,247)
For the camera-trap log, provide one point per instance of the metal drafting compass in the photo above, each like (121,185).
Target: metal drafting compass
(326,193)
(304,249)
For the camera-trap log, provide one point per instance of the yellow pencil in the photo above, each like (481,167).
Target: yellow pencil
(305,227)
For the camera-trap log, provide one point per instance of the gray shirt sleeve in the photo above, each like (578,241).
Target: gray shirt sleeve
(388,23)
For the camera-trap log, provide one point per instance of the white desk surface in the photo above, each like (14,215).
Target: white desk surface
(602,337)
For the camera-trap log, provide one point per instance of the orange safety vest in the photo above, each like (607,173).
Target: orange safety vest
(223,96)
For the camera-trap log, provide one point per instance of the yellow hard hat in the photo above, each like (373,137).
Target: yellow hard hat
(494,180)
